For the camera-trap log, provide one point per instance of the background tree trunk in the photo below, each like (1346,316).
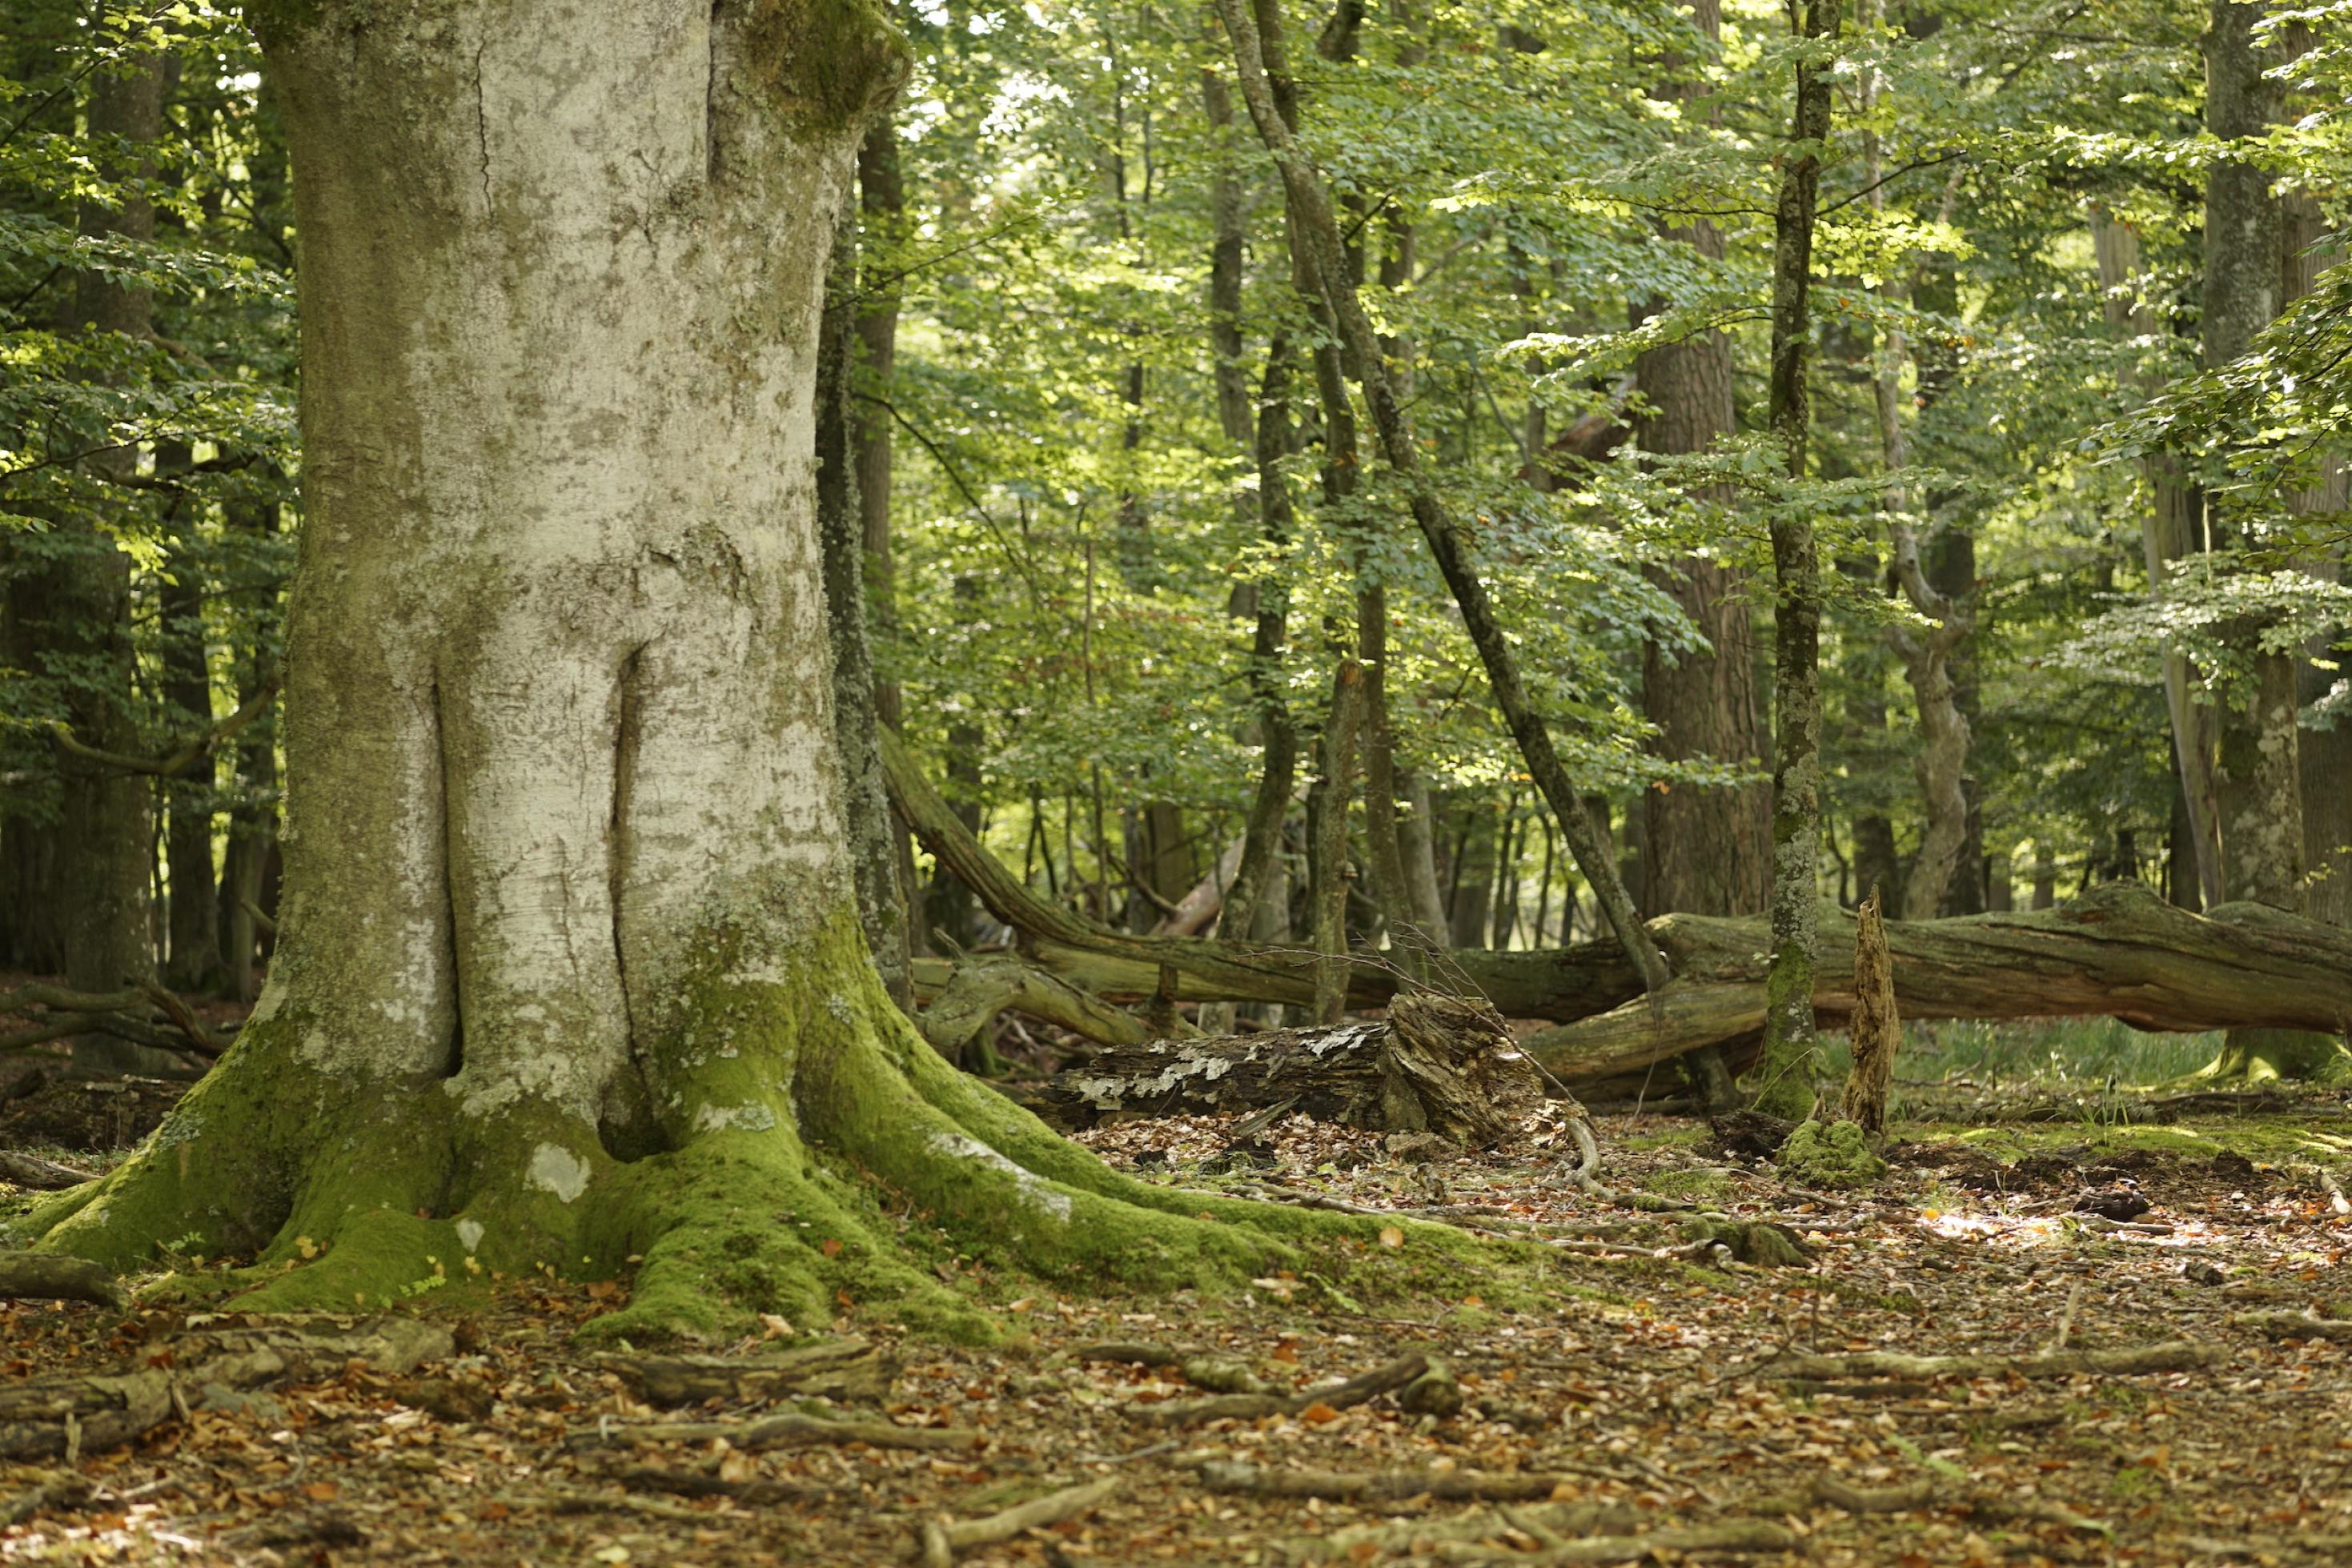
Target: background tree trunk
(105,855)
(1789,1064)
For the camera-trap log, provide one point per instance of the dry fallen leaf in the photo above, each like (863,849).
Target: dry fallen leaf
(1318,1413)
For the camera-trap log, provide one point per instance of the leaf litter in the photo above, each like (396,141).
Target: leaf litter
(1670,1405)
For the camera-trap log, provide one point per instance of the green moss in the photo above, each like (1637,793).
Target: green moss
(1831,1155)
(839,59)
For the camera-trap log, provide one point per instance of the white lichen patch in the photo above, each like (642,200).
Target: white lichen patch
(469,1235)
(744,1118)
(556,1169)
(958,1145)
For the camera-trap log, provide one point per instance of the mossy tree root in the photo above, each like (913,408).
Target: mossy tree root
(799,1128)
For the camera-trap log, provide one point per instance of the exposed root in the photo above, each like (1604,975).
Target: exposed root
(942,1539)
(788,1109)
(788,1430)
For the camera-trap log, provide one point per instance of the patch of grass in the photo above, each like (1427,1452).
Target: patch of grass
(1688,1184)
(1673,1137)
(2047,1052)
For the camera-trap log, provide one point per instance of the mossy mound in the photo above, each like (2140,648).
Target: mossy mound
(1833,1155)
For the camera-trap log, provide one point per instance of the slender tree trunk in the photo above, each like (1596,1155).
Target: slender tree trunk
(882,224)
(1789,1063)
(1317,230)
(1417,847)
(1262,842)
(1329,873)
(871,828)
(194,912)
(1475,858)
(1928,653)
(2258,763)
(2168,530)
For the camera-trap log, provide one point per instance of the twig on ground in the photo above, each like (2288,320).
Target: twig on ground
(2174,1356)
(1356,1390)
(1236,1476)
(788,1430)
(942,1537)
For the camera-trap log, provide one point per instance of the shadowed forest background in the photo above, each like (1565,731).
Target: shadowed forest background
(1593,550)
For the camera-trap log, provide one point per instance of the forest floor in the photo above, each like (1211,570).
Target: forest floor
(1650,1406)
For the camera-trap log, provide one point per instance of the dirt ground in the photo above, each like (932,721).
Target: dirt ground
(1645,1397)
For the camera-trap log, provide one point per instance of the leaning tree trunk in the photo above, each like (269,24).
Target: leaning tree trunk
(572,973)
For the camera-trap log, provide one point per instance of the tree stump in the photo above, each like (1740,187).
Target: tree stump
(1877,1028)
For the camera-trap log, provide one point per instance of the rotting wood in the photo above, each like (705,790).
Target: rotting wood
(942,1537)
(87,1413)
(45,1277)
(20,1169)
(2174,1356)
(832,1369)
(1432,1064)
(789,1430)
(1877,1028)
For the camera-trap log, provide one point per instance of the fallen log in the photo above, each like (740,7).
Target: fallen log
(20,1169)
(80,1414)
(2118,951)
(1431,1064)
(45,1277)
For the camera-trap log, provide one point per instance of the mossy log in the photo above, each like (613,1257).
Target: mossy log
(1431,1064)
(83,1414)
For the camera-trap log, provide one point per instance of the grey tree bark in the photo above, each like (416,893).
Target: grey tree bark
(571,976)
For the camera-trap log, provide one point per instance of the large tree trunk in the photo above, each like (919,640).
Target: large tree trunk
(572,973)
(2258,766)
(1789,1066)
